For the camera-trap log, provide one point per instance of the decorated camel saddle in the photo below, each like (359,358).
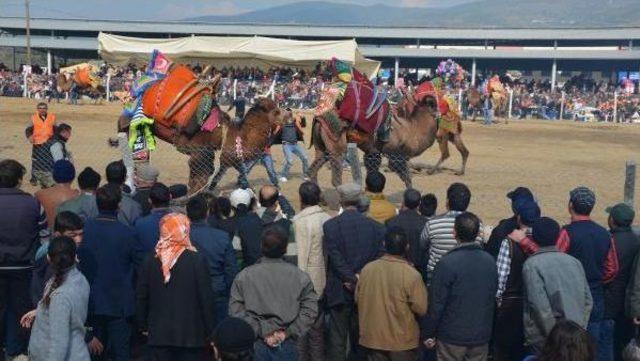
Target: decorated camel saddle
(495,89)
(354,99)
(448,114)
(168,99)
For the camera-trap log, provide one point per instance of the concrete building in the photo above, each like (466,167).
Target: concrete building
(538,52)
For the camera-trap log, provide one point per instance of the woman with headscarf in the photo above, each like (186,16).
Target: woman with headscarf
(174,298)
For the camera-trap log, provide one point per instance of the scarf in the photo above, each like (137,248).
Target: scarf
(174,239)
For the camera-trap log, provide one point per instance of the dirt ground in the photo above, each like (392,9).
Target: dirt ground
(549,157)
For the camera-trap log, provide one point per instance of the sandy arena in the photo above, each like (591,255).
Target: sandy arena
(549,157)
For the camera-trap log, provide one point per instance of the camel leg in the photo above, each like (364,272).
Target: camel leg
(444,153)
(398,164)
(224,165)
(372,162)
(201,167)
(336,169)
(320,159)
(464,152)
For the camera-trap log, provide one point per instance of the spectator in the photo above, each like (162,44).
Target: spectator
(270,211)
(59,331)
(276,299)
(58,143)
(463,290)
(593,246)
(63,174)
(506,226)
(437,236)
(412,223)
(307,227)
(146,176)
(178,193)
(108,257)
(428,205)
(233,340)
(22,220)
(148,227)
(248,226)
(380,210)
(239,103)
(39,131)
(508,332)
(53,150)
(390,295)
(129,210)
(220,215)
(352,240)
(88,182)
(67,224)
(568,341)
(627,244)
(215,246)
(174,297)
(554,286)
(291,134)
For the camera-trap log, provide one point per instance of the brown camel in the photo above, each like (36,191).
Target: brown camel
(200,148)
(65,85)
(246,141)
(411,134)
(252,136)
(475,101)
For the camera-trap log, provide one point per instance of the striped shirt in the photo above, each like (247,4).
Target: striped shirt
(437,238)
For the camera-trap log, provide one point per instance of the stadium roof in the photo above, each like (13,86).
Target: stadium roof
(164,27)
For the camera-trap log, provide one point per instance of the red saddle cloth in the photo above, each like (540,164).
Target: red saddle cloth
(365,107)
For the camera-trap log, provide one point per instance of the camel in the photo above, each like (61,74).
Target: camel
(475,102)
(252,134)
(411,134)
(246,141)
(65,85)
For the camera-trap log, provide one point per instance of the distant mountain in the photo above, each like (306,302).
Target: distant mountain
(480,13)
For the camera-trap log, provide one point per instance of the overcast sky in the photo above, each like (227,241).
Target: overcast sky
(166,9)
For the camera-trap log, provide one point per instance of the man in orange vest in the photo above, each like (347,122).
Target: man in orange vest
(39,132)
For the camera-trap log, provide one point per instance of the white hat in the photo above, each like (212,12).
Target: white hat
(240,196)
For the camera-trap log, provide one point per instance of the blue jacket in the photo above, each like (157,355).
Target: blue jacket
(215,246)
(148,229)
(352,241)
(109,255)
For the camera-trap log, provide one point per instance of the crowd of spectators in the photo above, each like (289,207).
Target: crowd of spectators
(579,98)
(122,271)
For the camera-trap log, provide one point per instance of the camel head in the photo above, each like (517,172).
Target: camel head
(427,103)
(275,115)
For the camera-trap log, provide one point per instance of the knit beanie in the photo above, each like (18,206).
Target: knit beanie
(233,335)
(545,231)
(63,171)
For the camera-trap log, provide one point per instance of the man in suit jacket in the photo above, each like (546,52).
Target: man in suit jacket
(109,255)
(352,241)
(412,223)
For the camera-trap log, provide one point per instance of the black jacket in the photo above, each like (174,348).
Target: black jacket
(627,246)
(412,223)
(352,241)
(249,230)
(20,224)
(462,297)
(178,313)
(514,287)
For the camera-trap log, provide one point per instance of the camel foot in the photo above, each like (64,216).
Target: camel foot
(433,171)
(459,173)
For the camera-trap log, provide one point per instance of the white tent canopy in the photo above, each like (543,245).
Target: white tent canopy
(221,51)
